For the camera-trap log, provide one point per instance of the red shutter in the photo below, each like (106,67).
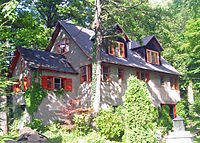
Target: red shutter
(25,83)
(89,67)
(69,85)
(44,82)
(138,75)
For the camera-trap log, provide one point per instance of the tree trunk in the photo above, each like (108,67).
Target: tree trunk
(4,116)
(97,25)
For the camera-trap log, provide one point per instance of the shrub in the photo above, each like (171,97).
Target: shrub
(37,125)
(165,121)
(139,114)
(109,124)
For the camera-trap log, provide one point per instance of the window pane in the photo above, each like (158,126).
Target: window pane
(83,74)
(120,73)
(63,83)
(67,47)
(148,56)
(105,73)
(49,83)
(62,44)
(56,83)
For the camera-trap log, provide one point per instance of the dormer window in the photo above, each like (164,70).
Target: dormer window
(62,47)
(116,48)
(153,57)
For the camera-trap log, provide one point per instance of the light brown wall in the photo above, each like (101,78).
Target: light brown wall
(113,91)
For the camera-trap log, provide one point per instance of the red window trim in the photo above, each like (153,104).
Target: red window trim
(145,73)
(59,44)
(108,74)
(149,58)
(68,82)
(174,83)
(111,48)
(88,73)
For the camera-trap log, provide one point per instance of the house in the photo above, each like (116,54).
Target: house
(67,63)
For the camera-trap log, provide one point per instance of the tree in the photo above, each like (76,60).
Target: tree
(107,13)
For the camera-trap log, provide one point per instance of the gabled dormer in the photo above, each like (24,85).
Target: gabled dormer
(148,48)
(116,46)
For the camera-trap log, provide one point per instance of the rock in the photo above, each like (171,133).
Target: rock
(26,130)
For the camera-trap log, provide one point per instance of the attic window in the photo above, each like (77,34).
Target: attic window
(153,57)
(116,48)
(62,47)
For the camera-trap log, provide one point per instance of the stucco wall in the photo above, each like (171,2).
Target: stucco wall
(113,91)
(75,56)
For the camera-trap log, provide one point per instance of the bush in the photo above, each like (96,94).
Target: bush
(165,121)
(37,125)
(110,124)
(140,115)
(82,123)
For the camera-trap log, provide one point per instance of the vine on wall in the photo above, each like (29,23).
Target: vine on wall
(35,94)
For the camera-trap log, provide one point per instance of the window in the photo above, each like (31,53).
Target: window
(174,83)
(57,83)
(22,65)
(105,73)
(62,47)
(50,82)
(86,73)
(162,79)
(152,57)
(143,76)
(116,48)
(120,74)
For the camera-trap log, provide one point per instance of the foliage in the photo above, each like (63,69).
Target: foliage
(165,121)
(75,117)
(139,114)
(82,123)
(60,92)
(183,110)
(33,97)
(110,123)
(37,125)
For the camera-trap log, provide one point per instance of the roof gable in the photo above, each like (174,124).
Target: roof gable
(144,42)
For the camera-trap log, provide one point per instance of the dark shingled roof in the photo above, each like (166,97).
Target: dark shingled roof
(82,36)
(46,60)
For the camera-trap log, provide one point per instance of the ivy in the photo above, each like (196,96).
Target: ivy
(34,96)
